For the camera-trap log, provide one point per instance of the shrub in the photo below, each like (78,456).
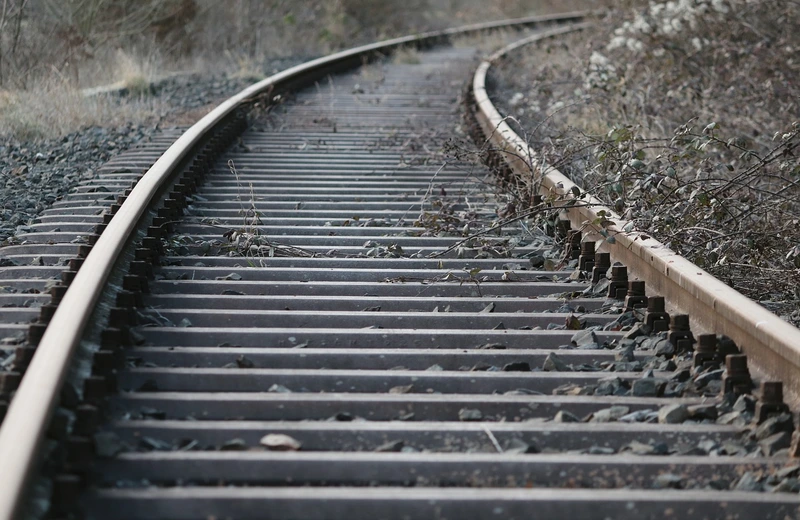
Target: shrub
(682,115)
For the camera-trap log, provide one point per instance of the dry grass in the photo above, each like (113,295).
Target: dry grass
(245,66)
(136,72)
(57,108)
(80,39)
(66,45)
(406,56)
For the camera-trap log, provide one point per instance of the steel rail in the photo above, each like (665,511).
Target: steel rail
(712,305)
(29,413)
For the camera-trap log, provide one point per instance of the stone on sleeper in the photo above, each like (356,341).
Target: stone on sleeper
(520,446)
(641,448)
(789,485)
(789,471)
(152,413)
(244,362)
(699,412)
(667,366)
(672,414)
(637,416)
(234,445)
(537,261)
(733,448)
(391,446)
(745,403)
(574,389)
(523,391)
(554,363)
(776,442)
(706,377)
(402,389)
(648,387)
(713,388)
(600,287)
(609,414)
(624,366)
(708,445)
(469,414)
(107,444)
(681,375)
(492,346)
(564,416)
(584,338)
(732,418)
(663,348)
(280,442)
(611,386)
(773,425)
(638,329)
(626,353)
(748,482)
(550,264)
(668,481)
(518,366)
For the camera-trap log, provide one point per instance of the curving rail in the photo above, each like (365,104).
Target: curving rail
(370,352)
(712,305)
(30,411)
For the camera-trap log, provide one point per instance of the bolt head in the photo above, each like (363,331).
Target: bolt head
(772,391)
(679,322)
(736,363)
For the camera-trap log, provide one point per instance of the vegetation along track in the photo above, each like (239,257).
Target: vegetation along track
(317,316)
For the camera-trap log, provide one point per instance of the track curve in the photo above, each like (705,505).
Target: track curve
(322,316)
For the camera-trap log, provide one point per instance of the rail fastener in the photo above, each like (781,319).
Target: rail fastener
(736,378)
(618,287)
(636,296)
(656,316)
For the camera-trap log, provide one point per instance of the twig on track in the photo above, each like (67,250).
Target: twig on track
(493,439)
(510,220)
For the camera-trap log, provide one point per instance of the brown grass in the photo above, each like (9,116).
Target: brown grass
(62,46)
(56,108)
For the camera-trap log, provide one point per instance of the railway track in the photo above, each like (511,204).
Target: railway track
(311,311)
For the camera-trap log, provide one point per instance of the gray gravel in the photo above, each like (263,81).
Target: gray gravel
(33,175)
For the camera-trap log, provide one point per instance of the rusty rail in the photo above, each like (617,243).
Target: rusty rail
(30,411)
(712,305)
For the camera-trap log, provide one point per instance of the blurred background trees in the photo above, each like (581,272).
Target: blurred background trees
(81,40)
